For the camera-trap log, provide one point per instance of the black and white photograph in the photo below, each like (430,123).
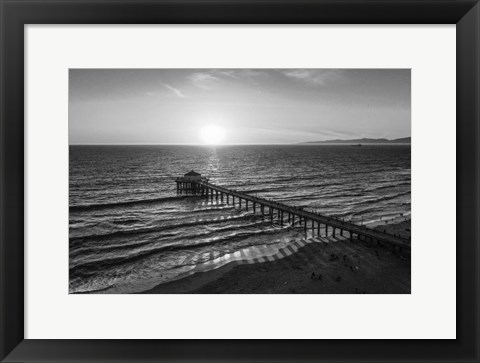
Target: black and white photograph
(239,181)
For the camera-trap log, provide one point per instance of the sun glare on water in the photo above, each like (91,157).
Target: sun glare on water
(212,134)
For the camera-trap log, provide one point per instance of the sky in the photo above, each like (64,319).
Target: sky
(237,106)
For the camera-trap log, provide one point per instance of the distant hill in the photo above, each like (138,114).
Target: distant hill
(403,140)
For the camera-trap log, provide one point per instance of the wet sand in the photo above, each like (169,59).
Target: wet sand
(339,267)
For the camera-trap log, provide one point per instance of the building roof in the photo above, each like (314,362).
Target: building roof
(192,173)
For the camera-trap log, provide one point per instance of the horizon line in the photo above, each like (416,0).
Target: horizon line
(333,141)
(177,144)
(308,143)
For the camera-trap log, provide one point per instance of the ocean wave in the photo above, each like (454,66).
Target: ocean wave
(386,197)
(125,221)
(90,207)
(388,186)
(211,230)
(85,269)
(126,232)
(82,249)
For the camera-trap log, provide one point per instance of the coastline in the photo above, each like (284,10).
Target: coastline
(318,267)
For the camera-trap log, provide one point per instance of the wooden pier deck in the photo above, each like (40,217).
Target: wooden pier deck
(284,214)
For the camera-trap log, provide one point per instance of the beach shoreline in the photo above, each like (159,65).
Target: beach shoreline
(340,267)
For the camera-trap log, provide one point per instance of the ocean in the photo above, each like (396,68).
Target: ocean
(129,231)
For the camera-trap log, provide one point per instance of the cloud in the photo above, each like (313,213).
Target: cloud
(315,77)
(204,80)
(212,79)
(175,91)
(244,74)
(226,73)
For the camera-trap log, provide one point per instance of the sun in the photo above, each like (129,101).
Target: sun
(212,134)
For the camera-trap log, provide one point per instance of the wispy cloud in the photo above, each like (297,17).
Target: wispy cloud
(214,78)
(243,74)
(174,90)
(204,80)
(313,76)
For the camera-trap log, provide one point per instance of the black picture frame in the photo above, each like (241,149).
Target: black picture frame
(15,14)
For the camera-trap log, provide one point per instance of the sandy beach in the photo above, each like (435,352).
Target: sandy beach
(340,267)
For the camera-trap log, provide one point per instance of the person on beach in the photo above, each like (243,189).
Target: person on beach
(312,277)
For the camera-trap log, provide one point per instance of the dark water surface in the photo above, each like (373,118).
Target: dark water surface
(130,231)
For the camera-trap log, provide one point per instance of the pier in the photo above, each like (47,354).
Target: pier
(320,225)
